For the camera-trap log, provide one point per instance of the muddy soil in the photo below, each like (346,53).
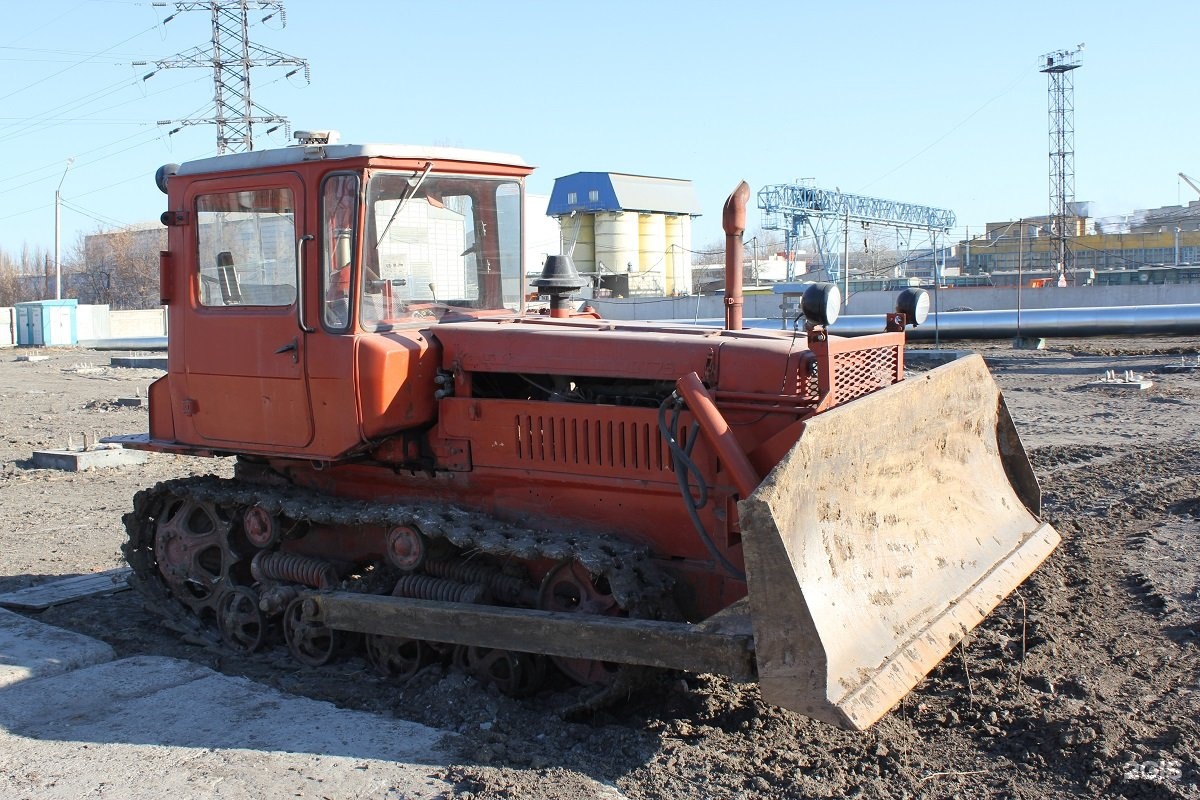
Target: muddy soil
(1085,682)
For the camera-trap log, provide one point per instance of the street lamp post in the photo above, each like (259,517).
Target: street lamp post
(57,231)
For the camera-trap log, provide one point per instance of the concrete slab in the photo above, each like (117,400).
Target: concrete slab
(149,727)
(32,358)
(152,727)
(1121,382)
(139,362)
(1029,343)
(66,590)
(101,456)
(1185,364)
(30,649)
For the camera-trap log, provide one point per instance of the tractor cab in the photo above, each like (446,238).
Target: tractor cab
(297,282)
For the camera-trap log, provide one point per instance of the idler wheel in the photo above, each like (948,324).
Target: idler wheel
(261,527)
(243,625)
(406,548)
(310,642)
(514,674)
(395,657)
(568,587)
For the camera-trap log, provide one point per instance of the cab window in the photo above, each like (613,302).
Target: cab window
(246,245)
(433,243)
(339,220)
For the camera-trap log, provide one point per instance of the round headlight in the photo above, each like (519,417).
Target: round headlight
(914,305)
(163,175)
(821,303)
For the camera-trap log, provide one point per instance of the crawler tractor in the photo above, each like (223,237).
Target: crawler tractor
(429,468)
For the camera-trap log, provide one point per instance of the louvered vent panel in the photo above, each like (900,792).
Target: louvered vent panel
(586,442)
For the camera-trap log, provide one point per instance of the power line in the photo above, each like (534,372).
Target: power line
(54,166)
(945,135)
(96,215)
(47,23)
(41,122)
(76,64)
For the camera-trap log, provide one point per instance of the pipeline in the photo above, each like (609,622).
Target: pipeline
(135,343)
(1177,320)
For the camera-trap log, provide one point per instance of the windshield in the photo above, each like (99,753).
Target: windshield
(433,242)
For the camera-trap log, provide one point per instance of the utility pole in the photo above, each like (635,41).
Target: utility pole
(846,259)
(1059,67)
(58,231)
(754,256)
(230,56)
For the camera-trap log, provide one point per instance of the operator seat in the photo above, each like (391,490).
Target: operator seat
(227,277)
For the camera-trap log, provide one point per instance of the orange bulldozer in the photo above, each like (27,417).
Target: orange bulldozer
(424,460)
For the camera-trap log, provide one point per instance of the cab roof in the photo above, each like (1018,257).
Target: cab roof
(296,154)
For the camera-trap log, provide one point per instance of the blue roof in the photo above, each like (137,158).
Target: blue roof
(615,191)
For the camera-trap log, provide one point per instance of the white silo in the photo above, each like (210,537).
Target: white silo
(616,241)
(677,270)
(652,246)
(652,242)
(579,240)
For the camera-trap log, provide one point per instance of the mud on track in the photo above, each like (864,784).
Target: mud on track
(1085,683)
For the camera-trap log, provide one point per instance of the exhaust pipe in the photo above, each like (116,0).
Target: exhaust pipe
(733,220)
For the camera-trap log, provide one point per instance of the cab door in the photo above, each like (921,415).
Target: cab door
(244,353)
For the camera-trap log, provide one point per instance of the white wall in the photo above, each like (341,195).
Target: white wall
(91,322)
(130,324)
(8,326)
(541,233)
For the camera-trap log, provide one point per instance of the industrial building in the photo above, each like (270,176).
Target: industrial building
(1154,246)
(631,234)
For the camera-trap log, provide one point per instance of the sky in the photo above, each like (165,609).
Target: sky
(934,103)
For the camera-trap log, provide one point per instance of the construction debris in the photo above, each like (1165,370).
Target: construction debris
(66,590)
(1186,364)
(1122,381)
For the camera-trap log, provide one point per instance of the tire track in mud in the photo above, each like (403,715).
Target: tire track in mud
(1065,685)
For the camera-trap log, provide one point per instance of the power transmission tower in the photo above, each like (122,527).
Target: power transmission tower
(230,56)
(1059,67)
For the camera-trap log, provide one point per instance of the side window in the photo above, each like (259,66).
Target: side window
(508,223)
(247,248)
(339,220)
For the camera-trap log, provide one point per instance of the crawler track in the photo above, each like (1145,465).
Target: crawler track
(637,584)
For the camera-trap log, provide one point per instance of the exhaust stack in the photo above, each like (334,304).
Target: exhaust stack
(733,220)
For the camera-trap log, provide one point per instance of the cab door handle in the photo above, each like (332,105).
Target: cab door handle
(291,347)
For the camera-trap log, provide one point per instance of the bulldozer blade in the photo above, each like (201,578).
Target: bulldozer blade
(895,524)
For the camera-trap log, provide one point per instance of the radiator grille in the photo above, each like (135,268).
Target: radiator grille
(584,442)
(864,371)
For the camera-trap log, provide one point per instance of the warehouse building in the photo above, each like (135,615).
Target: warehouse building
(630,234)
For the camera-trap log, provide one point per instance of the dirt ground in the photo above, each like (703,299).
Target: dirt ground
(1085,683)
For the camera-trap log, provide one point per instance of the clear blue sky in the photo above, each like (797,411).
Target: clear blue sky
(937,103)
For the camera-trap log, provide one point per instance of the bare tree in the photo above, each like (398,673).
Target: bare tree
(873,254)
(9,283)
(711,253)
(28,276)
(118,268)
(708,262)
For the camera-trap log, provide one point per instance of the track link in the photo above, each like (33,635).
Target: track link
(638,585)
